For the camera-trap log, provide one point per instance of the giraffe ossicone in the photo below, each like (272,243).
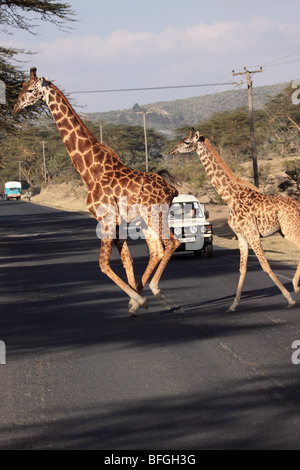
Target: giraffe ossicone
(253,215)
(108,181)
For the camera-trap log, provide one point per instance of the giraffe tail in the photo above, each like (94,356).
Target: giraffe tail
(166,175)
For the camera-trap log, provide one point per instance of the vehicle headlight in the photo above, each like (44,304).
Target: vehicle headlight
(177,231)
(193,229)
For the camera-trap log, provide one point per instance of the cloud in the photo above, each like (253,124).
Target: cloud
(126,48)
(199,53)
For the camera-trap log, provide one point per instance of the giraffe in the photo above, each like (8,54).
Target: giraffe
(115,192)
(253,215)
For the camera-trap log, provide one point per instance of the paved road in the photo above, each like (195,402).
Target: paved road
(183,375)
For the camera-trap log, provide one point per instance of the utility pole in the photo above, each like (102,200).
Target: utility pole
(20,170)
(44,160)
(248,74)
(101,134)
(145,133)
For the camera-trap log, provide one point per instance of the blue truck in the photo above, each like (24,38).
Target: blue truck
(12,190)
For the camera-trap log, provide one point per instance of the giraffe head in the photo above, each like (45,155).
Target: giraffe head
(189,143)
(32,91)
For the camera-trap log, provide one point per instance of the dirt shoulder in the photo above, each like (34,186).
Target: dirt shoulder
(72,197)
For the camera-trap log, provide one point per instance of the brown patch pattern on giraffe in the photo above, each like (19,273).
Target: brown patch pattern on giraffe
(252,214)
(108,181)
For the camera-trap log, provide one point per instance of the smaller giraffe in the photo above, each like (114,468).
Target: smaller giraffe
(253,215)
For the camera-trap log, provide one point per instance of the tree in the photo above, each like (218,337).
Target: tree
(12,13)
(16,14)
(292,184)
(285,118)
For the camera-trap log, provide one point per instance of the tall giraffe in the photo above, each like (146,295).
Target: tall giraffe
(252,216)
(115,192)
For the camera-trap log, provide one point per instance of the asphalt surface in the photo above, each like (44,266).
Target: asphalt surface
(182,375)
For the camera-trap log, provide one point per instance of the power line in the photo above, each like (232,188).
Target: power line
(283,63)
(150,88)
(272,63)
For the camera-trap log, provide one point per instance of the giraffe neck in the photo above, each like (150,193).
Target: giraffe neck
(225,182)
(80,143)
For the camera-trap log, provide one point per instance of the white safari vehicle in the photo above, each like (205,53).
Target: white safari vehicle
(188,221)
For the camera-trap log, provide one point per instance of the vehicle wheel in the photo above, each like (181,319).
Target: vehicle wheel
(208,251)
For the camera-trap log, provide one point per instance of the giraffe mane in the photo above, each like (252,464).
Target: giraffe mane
(86,130)
(226,167)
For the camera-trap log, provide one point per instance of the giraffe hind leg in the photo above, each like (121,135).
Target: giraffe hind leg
(296,279)
(258,250)
(292,236)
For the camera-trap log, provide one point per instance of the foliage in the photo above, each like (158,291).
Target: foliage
(292,184)
(13,13)
(129,143)
(228,132)
(17,14)
(26,147)
(169,115)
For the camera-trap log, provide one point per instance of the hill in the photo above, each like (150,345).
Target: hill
(169,115)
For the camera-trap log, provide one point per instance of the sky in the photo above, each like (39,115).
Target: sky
(130,44)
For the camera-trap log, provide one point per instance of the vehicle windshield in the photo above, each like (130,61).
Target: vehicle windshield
(185,210)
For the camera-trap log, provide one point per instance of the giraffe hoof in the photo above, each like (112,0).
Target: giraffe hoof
(131,314)
(133,307)
(155,291)
(145,303)
(230,310)
(291,304)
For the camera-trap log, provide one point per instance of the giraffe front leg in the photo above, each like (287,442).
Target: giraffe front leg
(127,261)
(156,252)
(136,300)
(170,246)
(244,250)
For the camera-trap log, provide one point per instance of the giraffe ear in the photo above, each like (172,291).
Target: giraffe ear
(197,136)
(45,82)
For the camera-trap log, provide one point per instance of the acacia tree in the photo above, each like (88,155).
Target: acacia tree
(23,14)
(12,13)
